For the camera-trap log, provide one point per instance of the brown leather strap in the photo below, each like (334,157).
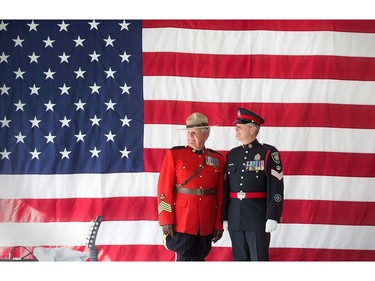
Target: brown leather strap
(195,191)
(201,166)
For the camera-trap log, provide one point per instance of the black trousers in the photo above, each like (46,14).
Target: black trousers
(189,247)
(249,245)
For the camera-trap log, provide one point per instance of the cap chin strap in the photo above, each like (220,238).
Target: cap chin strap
(197,125)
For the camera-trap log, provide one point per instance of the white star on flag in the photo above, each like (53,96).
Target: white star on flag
(64,89)
(49,74)
(80,105)
(49,105)
(5,154)
(20,138)
(63,26)
(34,90)
(19,105)
(50,138)
(110,136)
(125,89)
(33,57)
(79,41)
(19,73)
(33,26)
(65,122)
(95,153)
(95,121)
(48,42)
(80,137)
(64,58)
(65,153)
(18,41)
(5,122)
(35,122)
(35,154)
(125,153)
(125,121)
(109,41)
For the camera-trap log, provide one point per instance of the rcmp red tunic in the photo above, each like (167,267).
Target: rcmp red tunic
(188,212)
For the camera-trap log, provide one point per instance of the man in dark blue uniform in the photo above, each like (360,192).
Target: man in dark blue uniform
(253,190)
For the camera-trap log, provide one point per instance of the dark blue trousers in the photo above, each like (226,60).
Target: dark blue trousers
(249,245)
(189,247)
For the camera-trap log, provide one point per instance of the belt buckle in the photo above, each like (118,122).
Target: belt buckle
(200,191)
(241,195)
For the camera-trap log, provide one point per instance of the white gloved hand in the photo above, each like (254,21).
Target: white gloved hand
(225,225)
(271,225)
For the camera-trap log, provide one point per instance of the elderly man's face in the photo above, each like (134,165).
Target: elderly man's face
(196,138)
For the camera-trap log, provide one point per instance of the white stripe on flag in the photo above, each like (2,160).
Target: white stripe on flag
(149,233)
(258,42)
(330,188)
(75,186)
(324,237)
(259,90)
(284,138)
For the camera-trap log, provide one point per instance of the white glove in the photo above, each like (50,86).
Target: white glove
(225,225)
(271,225)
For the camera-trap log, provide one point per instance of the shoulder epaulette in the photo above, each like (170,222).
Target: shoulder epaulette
(270,147)
(211,150)
(178,147)
(235,148)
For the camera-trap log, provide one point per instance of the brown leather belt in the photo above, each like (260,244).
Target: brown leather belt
(244,195)
(195,191)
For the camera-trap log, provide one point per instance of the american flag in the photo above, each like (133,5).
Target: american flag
(89,107)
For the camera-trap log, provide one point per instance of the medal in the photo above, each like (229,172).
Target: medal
(211,161)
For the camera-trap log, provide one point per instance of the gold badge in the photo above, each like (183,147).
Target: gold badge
(162,196)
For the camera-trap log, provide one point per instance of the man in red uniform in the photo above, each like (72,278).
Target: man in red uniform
(190,194)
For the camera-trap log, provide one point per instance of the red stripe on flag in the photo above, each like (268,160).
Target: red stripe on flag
(78,209)
(153,157)
(328,163)
(328,212)
(138,208)
(300,254)
(277,114)
(365,26)
(312,163)
(258,66)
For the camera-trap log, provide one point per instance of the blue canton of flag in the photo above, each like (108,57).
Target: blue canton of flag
(71,97)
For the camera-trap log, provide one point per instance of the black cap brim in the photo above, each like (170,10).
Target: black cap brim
(243,121)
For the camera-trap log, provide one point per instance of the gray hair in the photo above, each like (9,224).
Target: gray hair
(253,125)
(207,129)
